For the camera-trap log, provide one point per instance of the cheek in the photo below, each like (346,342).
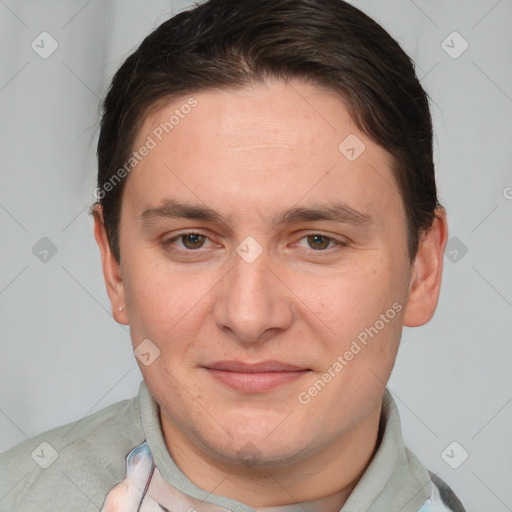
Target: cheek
(166,305)
(155,299)
(351,298)
(357,314)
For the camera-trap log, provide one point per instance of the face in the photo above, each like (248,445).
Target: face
(266,260)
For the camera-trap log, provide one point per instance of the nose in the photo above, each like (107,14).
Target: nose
(254,303)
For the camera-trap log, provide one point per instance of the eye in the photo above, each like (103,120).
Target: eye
(321,242)
(190,241)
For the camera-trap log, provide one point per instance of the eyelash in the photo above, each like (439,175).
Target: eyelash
(168,243)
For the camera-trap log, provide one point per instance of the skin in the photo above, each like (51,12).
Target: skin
(248,155)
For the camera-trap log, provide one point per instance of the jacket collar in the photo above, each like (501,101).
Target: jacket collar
(394,480)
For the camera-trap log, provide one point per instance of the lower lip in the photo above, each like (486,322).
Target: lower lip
(255,382)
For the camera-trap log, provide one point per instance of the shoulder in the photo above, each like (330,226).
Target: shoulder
(443,499)
(71,466)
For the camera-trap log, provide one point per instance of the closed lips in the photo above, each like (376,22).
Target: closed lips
(263,367)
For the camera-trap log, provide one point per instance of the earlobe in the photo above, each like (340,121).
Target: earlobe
(111,269)
(427,272)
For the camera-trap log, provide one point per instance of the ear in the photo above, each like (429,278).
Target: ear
(111,269)
(426,274)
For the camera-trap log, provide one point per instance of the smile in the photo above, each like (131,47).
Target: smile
(254,378)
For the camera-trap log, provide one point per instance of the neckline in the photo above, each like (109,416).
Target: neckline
(393,473)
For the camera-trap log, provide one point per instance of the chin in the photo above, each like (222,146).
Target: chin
(257,454)
(255,449)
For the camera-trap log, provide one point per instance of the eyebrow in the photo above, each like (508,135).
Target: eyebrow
(174,209)
(337,212)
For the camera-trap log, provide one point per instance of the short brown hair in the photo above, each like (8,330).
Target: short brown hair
(229,44)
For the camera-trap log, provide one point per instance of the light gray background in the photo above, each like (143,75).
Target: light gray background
(63,356)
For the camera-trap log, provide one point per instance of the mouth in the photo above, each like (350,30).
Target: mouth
(255,377)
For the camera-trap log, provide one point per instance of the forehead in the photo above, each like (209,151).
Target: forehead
(261,147)
(261,116)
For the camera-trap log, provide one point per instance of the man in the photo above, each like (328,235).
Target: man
(268,222)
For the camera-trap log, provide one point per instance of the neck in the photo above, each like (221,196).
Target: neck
(324,480)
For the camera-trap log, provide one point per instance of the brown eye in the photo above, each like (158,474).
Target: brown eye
(318,242)
(192,240)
